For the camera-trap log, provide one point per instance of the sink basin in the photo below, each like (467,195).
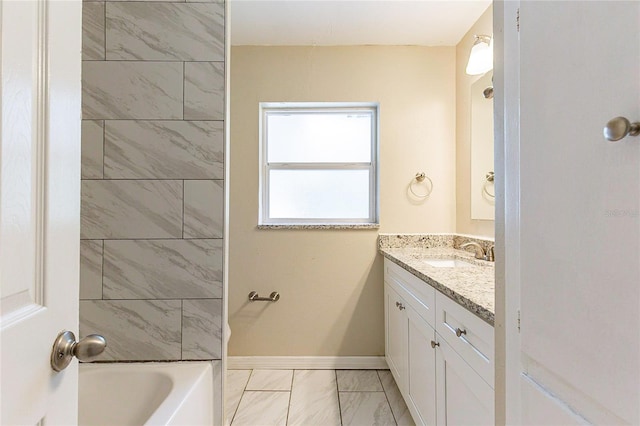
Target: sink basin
(447,263)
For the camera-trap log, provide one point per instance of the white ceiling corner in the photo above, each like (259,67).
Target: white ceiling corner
(353,22)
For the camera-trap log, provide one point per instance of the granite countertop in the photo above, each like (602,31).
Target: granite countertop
(472,287)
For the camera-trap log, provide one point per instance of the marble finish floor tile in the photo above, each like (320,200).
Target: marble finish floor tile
(235,385)
(365,409)
(314,398)
(262,408)
(358,380)
(270,380)
(398,406)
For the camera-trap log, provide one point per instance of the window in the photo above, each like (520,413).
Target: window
(319,163)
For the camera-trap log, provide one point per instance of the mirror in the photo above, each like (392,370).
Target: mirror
(482,185)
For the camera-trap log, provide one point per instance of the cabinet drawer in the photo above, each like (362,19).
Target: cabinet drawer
(418,294)
(475,340)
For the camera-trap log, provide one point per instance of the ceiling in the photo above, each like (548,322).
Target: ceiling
(353,22)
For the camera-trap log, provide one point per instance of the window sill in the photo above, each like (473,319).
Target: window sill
(320,226)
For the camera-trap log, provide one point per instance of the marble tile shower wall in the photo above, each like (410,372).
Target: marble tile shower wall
(152,169)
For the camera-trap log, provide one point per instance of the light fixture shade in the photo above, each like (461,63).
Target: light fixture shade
(481,56)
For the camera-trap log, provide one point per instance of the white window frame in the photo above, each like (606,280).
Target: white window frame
(267,108)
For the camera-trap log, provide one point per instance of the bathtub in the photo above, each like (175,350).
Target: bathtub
(177,393)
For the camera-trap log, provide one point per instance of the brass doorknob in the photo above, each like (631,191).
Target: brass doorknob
(65,348)
(619,127)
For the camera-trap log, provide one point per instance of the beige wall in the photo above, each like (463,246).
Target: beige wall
(464,223)
(331,281)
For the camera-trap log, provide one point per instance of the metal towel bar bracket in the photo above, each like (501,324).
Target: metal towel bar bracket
(255,297)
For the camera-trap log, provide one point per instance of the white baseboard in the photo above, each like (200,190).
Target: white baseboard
(307,362)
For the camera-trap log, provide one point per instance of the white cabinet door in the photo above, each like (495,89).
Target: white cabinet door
(39,206)
(396,336)
(463,397)
(573,227)
(421,386)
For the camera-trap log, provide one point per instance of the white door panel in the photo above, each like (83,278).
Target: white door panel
(579,237)
(39,206)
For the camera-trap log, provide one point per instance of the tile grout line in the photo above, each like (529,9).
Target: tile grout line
(102,273)
(293,374)
(386,397)
(244,389)
(181,332)
(335,372)
(183,202)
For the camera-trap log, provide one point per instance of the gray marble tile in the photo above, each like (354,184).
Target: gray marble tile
(365,409)
(93,31)
(202,329)
(235,384)
(396,401)
(92,149)
(263,409)
(165,32)
(136,330)
(162,269)
(131,209)
(164,149)
(203,208)
(358,380)
(204,90)
(270,380)
(314,398)
(132,90)
(90,269)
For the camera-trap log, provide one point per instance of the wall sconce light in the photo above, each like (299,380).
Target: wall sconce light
(481,56)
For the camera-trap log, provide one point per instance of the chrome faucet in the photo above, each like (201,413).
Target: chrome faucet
(480,252)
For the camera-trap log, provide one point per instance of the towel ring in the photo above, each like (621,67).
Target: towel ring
(418,179)
(489,178)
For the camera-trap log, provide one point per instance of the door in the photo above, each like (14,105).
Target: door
(396,336)
(39,207)
(421,359)
(576,229)
(463,397)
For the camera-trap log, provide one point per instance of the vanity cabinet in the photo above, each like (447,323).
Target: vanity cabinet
(440,354)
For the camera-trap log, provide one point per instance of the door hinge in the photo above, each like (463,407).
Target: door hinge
(518,19)
(518,321)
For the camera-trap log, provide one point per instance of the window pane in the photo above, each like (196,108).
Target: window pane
(319,137)
(319,194)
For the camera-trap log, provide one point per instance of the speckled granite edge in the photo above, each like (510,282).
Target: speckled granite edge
(430,241)
(318,226)
(414,240)
(473,307)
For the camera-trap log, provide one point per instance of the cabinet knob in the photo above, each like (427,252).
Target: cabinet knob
(400,305)
(460,332)
(434,344)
